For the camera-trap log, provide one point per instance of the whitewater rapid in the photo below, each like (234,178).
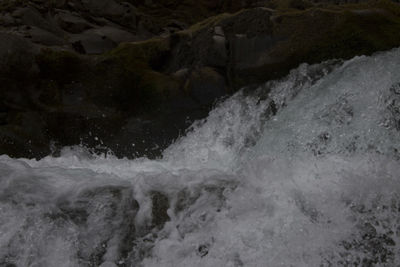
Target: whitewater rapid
(303,171)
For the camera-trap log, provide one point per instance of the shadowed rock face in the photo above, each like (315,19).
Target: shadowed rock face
(132,76)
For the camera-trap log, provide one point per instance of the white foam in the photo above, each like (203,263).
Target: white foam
(246,188)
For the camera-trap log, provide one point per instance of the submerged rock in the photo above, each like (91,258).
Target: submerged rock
(160,204)
(98,220)
(105,218)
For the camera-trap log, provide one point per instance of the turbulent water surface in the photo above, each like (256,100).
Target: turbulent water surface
(304,171)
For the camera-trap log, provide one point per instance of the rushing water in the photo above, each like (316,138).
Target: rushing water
(304,171)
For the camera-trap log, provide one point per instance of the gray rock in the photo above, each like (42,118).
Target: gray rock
(181,74)
(72,23)
(219,48)
(91,43)
(43,37)
(114,34)
(104,7)
(31,17)
(129,18)
(219,31)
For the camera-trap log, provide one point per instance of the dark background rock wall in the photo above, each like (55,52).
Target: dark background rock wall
(131,76)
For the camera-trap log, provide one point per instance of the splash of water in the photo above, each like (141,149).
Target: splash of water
(300,172)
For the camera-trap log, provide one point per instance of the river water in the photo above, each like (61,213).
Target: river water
(303,171)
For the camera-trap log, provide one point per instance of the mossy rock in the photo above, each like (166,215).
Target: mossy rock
(164,13)
(205,85)
(318,34)
(206,24)
(139,55)
(323,34)
(138,66)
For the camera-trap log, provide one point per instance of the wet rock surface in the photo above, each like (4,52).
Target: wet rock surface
(132,76)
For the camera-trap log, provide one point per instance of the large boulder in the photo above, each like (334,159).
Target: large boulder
(258,44)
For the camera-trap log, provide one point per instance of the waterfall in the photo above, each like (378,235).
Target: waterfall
(302,171)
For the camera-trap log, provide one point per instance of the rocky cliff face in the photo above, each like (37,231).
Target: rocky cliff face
(131,76)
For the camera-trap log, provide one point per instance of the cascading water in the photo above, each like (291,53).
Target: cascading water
(304,171)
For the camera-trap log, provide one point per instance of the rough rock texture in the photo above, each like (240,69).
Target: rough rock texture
(131,76)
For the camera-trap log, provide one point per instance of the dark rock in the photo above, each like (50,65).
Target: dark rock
(31,17)
(104,7)
(16,56)
(16,61)
(202,250)
(264,44)
(92,43)
(206,86)
(114,34)
(59,3)
(7,20)
(392,103)
(59,66)
(40,36)
(3,118)
(137,97)
(71,22)
(129,18)
(24,136)
(109,102)
(159,211)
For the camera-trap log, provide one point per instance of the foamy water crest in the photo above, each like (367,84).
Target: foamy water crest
(303,171)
